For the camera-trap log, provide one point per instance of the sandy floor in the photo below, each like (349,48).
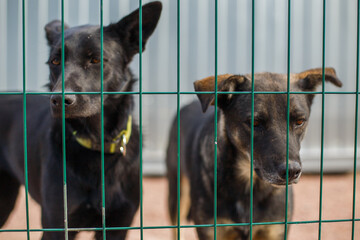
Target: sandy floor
(337,204)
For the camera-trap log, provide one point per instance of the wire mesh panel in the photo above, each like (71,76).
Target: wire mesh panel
(197,39)
(234,43)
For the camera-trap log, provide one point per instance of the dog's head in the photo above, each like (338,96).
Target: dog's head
(270,117)
(82,60)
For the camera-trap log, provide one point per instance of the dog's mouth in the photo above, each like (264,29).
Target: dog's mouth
(70,114)
(59,114)
(283,183)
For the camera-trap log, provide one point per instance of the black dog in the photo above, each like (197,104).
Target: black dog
(233,147)
(83,131)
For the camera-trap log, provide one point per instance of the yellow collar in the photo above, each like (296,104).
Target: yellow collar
(117,143)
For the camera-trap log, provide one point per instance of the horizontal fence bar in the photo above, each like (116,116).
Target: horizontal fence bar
(176,226)
(174,93)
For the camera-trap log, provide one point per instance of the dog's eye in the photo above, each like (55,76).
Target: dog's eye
(257,123)
(300,122)
(95,60)
(55,61)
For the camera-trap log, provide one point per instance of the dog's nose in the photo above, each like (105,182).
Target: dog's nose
(56,100)
(294,171)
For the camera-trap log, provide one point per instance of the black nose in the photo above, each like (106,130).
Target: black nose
(294,171)
(56,100)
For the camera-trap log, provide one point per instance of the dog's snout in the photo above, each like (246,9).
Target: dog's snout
(294,171)
(56,100)
(69,100)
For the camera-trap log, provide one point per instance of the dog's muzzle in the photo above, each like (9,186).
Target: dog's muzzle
(56,102)
(292,172)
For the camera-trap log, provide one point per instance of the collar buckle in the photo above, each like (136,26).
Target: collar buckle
(123,142)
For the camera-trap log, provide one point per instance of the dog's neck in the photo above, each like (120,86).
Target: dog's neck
(115,118)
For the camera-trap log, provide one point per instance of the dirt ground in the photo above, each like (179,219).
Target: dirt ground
(337,204)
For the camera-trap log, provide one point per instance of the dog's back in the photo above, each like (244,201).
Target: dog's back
(191,121)
(12,146)
(12,127)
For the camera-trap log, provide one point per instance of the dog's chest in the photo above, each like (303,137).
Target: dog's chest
(91,198)
(85,187)
(239,212)
(266,205)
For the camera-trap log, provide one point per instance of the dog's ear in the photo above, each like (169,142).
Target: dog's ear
(309,80)
(127,29)
(53,30)
(225,83)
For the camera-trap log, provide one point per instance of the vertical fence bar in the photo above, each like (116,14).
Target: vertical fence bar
(24,121)
(102,120)
(287,121)
(252,116)
(215,120)
(140,120)
(322,119)
(178,119)
(356,122)
(63,118)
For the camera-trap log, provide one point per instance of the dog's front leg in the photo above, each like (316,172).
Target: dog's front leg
(111,235)
(120,216)
(201,216)
(57,235)
(53,217)
(52,202)
(269,232)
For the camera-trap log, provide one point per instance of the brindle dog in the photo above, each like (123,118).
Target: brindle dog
(233,152)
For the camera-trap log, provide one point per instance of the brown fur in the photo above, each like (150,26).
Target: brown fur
(260,232)
(208,83)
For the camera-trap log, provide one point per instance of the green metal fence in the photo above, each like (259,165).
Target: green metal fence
(178,94)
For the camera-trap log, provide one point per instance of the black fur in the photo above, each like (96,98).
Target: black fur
(82,113)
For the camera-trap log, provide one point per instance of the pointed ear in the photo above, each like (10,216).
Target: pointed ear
(53,31)
(309,80)
(225,83)
(127,29)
